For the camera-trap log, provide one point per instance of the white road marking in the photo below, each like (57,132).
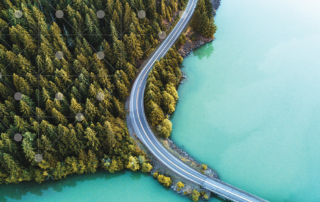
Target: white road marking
(146,71)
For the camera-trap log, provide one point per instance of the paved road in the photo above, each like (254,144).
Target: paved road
(145,134)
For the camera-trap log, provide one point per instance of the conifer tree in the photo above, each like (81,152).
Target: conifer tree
(156,115)
(25,109)
(92,162)
(130,71)
(116,21)
(127,17)
(122,90)
(195,20)
(21,85)
(168,16)
(79,76)
(163,9)
(59,117)
(75,107)
(168,102)
(134,51)
(110,135)
(12,168)
(93,141)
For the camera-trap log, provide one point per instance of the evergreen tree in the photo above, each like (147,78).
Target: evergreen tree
(127,17)
(156,115)
(32,68)
(134,50)
(122,90)
(93,141)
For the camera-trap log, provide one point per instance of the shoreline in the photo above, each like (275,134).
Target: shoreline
(184,51)
(190,45)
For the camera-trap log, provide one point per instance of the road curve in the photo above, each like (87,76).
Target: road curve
(145,134)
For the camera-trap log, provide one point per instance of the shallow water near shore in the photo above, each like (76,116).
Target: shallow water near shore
(249,109)
(250,105)
(101,186)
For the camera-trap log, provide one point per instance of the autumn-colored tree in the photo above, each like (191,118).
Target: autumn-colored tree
(156,115)
(133,163)
(155,174)
(204,195)
(195,195)
(166,181)
(60,74)
(161,95)
(204,167)
(179,185)
(165,128)
(146,167)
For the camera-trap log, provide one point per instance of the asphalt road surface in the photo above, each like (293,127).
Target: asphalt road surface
(145,134)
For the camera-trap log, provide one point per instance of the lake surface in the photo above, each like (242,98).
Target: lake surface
(101,186)
(249,109)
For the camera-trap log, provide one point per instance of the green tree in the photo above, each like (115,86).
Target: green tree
(60,119)
(116,21)
(133,48)
(122,90)
(92,140)
(25,109)
(101,139)
(156,115)
(75,107)
(168,102)
(127,17)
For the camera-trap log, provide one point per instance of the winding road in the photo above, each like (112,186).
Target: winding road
(145,134)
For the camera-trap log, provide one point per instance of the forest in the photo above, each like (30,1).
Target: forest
(65,71)
(161,94)
(202,20)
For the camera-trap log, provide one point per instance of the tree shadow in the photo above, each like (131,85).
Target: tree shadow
(205,51)
(17,191)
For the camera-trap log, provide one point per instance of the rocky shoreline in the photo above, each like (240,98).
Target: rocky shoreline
(215,6)
(209,172)
(158,167)
(190,44)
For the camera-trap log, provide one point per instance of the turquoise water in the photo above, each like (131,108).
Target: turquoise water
(250,107)
(101,186)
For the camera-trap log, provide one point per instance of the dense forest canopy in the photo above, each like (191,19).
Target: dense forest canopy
(66,67)
(202,19)
(161,94)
